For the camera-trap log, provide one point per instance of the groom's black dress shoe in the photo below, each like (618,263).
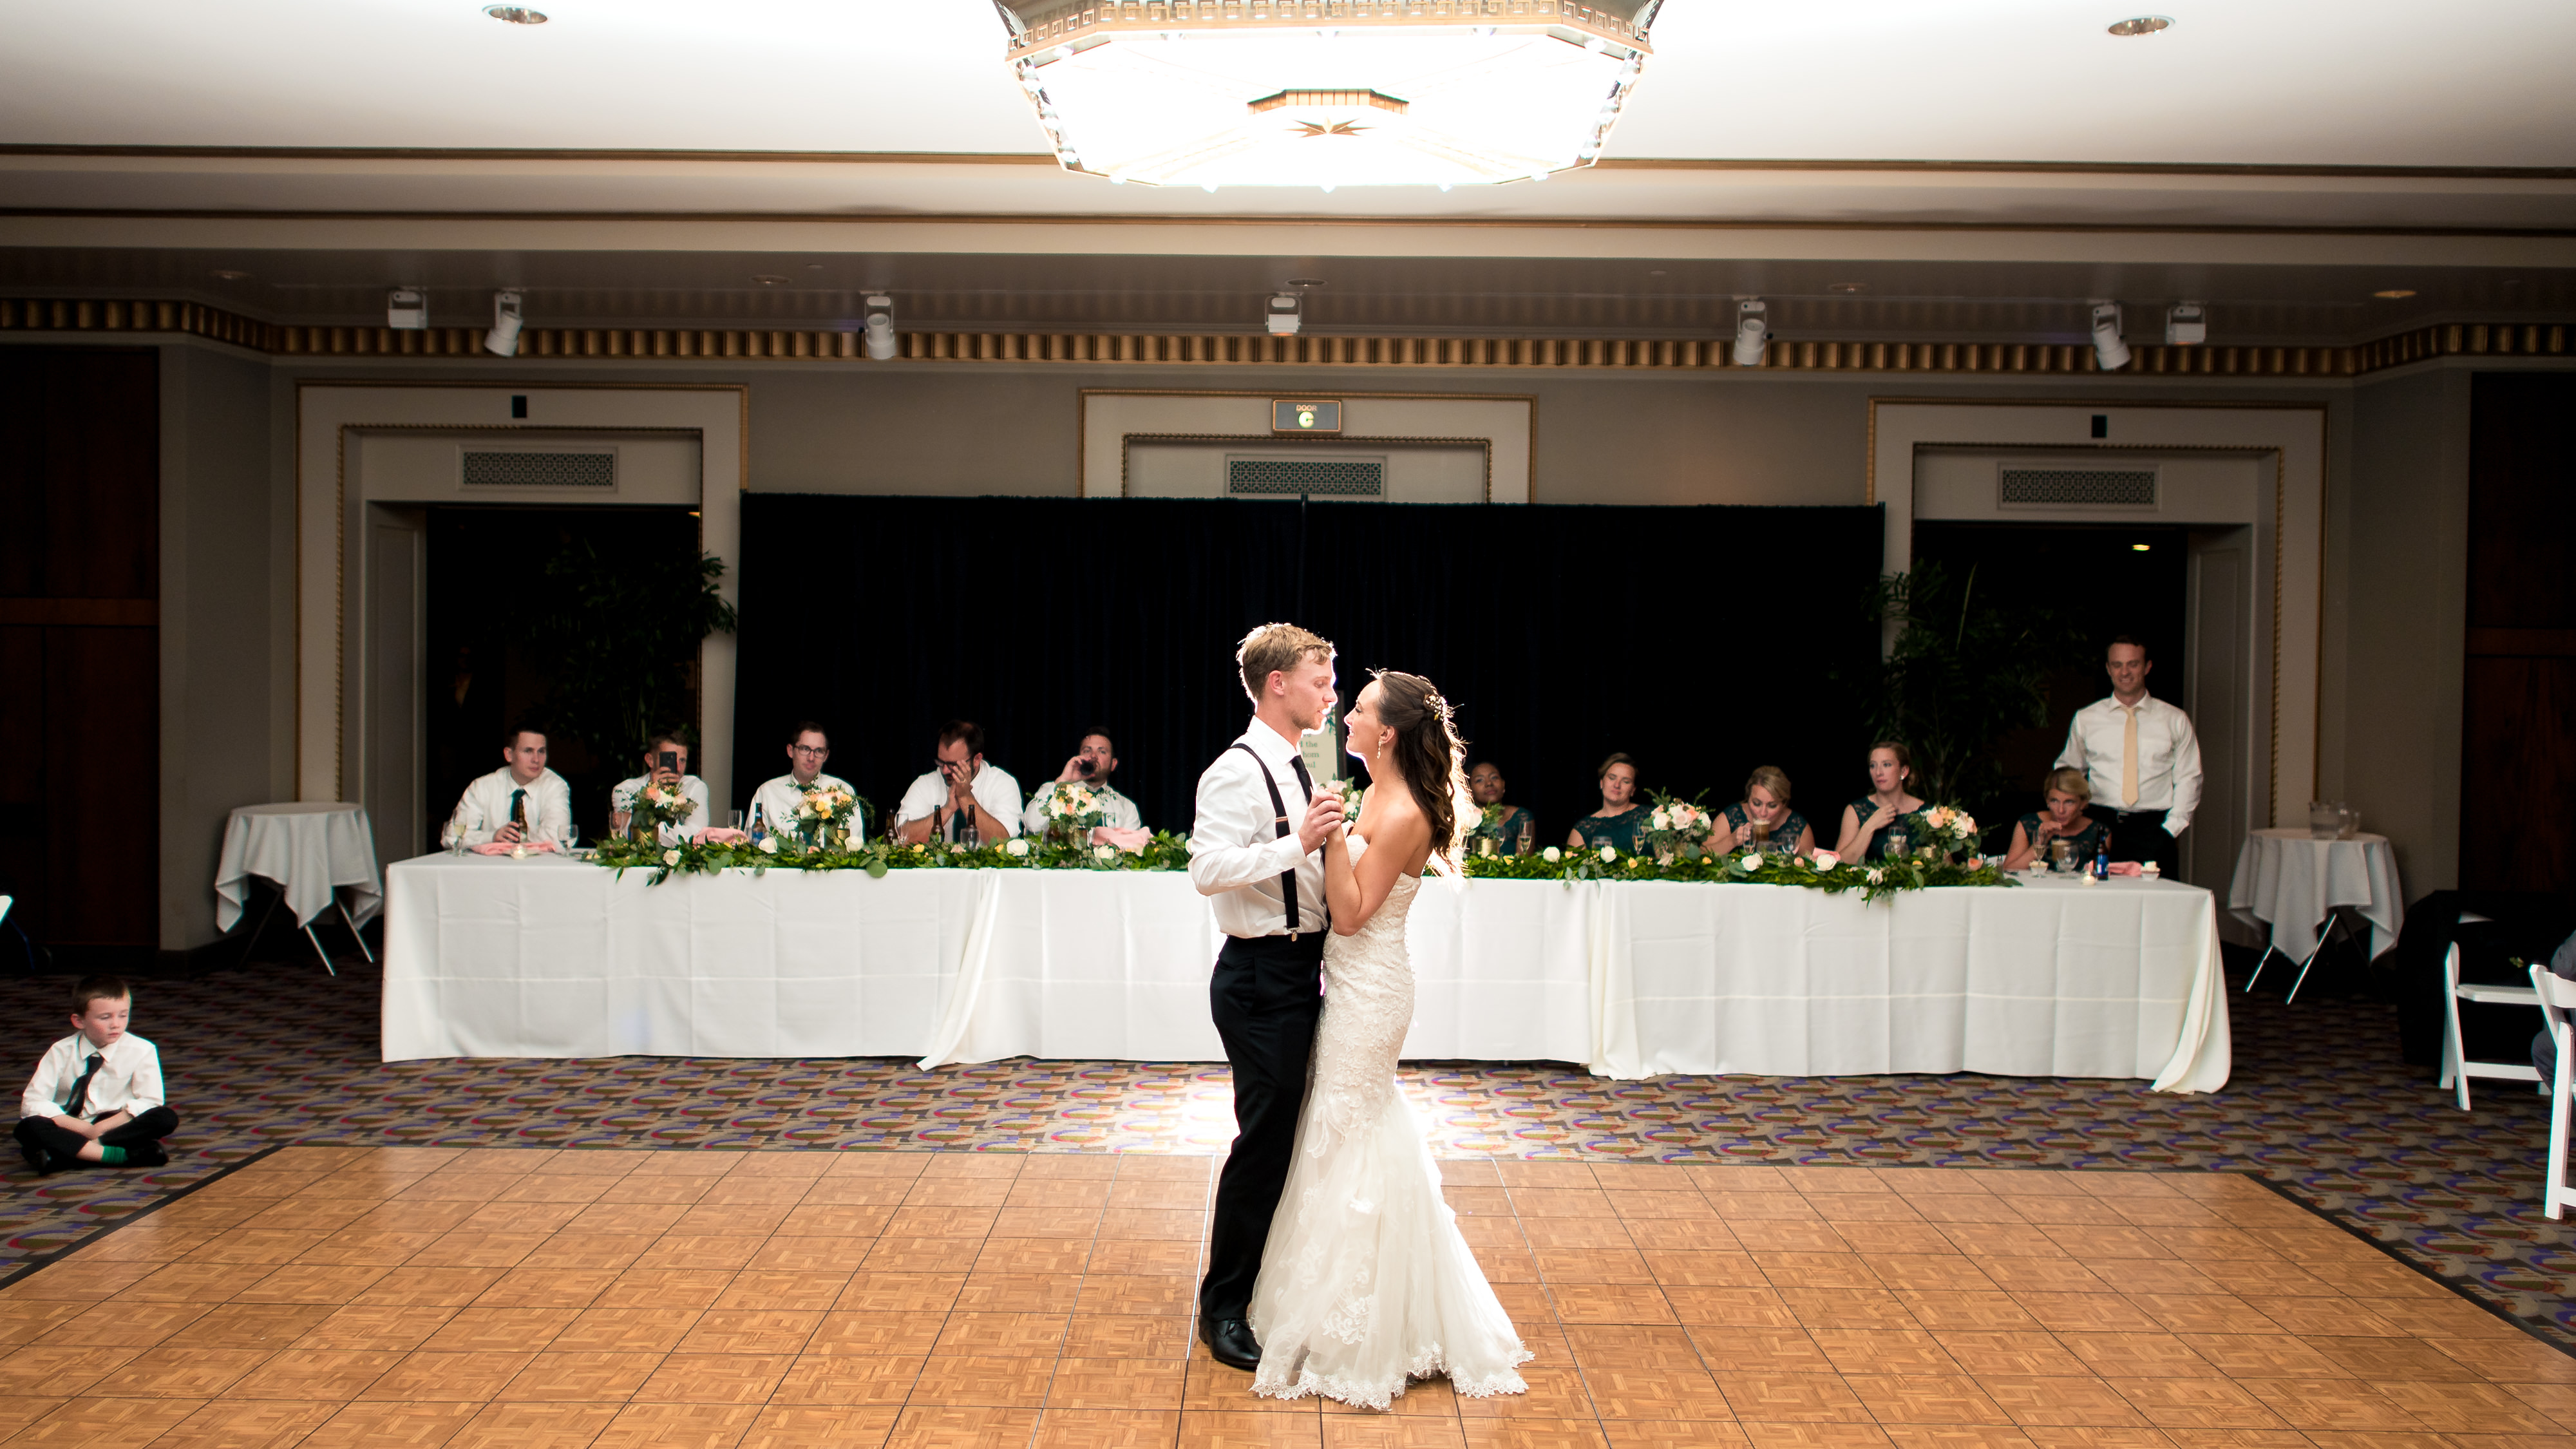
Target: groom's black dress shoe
(1230,1342)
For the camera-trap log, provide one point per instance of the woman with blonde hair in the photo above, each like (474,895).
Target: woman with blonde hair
(1763,817)
(2067,793)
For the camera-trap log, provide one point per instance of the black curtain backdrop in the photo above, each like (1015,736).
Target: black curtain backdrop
(1700,640)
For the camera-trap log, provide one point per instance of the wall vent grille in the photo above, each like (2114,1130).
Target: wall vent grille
(1318,478)
(2077,487)
(540,470)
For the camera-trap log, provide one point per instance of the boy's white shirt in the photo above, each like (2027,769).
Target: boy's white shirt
(128,1081)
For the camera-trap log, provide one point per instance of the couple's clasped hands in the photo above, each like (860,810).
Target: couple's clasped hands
(1323,821)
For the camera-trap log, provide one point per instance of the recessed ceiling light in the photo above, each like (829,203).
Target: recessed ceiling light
(2138,548)
(766,280)
(2142,25)
(1657,272)
(1847,288)
(1305,281)
(223,276)
(2393,293)
(813,266)
(515,14)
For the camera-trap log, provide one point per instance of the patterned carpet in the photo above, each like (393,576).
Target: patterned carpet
(2320,1107)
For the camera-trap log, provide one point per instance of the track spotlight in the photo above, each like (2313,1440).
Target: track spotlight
(879,328)
(1752,332)
(1285,314)
(2186,325)
(503,339)
(407,309)
(2107,346)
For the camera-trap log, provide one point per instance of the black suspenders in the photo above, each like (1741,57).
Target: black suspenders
(1287,878)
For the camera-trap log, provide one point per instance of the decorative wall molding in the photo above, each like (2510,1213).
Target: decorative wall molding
(1626,354)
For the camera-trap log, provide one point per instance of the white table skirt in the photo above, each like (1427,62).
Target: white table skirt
(310,849)
(486,956)
(2291,881)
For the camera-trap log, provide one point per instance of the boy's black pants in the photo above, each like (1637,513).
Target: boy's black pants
(42,1133)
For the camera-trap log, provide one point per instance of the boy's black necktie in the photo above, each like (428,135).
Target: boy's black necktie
(80,1087)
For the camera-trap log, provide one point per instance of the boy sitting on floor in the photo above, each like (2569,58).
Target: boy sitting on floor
(96,1097)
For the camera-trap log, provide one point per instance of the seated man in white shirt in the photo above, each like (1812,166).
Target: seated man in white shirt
(773,805)
(666,763)
(96,1096)
(1090,767)
(521,801)
(964,799)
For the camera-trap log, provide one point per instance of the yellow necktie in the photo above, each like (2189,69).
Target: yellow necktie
(2129,757)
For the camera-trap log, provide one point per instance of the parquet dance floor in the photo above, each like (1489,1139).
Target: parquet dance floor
(421,1295)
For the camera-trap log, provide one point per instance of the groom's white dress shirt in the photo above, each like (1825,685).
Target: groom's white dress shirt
(486,807)
(1236,851)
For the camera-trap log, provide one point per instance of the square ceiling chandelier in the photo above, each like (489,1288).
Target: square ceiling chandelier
(1326,93)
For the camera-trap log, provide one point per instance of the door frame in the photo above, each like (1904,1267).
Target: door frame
(330,654)
(2290,539)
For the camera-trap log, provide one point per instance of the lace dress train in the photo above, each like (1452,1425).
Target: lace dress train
(1365,1281)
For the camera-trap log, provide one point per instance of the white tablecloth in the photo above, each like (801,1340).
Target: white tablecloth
(486,956)
(310,849)
(2289,880)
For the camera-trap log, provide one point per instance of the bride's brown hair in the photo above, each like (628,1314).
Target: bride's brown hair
(1427,754)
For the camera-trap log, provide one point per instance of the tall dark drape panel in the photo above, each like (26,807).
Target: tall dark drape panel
(1700,640)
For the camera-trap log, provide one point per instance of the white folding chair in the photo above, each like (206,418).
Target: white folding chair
(2454,1066)
(2558,1006)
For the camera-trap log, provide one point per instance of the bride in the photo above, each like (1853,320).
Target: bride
(1365,1282)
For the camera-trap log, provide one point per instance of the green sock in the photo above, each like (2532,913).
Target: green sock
(112,1156)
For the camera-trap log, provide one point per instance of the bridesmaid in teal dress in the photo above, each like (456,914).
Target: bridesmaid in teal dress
(1620,821)
(1766,801)
(1866,820)
(2064,819)
(1514,830)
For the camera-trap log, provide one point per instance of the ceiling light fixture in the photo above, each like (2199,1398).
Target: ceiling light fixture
(503,339)
(230,276)
(1284,314)
(1752,331)
(2393,294)
(2186,325)
(768,279)
(1848,289)
(1391,93)
(407,309)
(2139,547)
(879,328)
(2108,349)
(2141,25)
(515,14)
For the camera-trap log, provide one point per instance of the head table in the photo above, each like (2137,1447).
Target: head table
(545,957)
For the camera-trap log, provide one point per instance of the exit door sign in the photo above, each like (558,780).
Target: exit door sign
(1310,415)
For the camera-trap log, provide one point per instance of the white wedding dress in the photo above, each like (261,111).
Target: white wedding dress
(1365,1282)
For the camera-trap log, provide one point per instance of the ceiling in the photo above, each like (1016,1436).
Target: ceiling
(1979,169)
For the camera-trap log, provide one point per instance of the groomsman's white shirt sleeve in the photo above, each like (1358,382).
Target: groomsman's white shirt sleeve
(486,807)
(622,797)
(995,790)
(128,1081)
(1236,852)
(778,799)
(1116,810)
(2168,757)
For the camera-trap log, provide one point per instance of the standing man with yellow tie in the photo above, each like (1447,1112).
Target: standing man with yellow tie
(2142,759)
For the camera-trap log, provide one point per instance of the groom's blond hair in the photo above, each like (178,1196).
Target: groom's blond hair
(1273,648)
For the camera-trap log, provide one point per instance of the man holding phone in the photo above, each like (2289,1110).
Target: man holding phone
(666,763)
(964,799)
(1091,766)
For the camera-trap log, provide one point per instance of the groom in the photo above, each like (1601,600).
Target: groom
(1255,850)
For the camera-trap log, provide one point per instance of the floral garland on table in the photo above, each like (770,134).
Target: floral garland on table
(1824,872)
(1163,851)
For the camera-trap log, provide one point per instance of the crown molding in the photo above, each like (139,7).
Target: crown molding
(1893,165)
(60,317)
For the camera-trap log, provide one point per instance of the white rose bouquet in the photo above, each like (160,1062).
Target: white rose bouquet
(823,816)
(655,806)
(1073,810)
(1947,829)
(1678,828)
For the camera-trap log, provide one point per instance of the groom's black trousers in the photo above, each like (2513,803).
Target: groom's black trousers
(1265,996)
